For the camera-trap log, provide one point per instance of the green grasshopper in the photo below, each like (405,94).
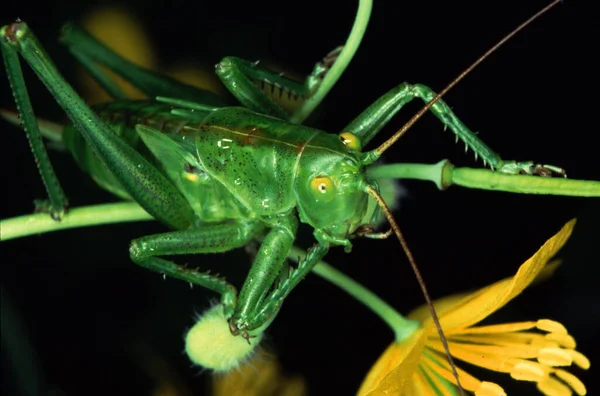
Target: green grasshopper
(185,145)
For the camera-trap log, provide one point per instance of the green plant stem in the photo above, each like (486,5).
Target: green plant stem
(428,172)
(341,63)
(523,184)
(444,175)
(402,327)
(18,227)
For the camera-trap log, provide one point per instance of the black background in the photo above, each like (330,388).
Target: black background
(87,307)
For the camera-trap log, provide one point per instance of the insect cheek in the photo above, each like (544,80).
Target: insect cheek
(323,189)
(351,141)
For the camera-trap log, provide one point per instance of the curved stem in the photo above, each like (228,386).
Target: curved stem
(356,34)
(402,327)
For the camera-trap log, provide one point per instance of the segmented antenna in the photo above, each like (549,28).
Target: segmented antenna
(375,154)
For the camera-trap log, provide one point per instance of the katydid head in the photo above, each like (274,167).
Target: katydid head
(330,188)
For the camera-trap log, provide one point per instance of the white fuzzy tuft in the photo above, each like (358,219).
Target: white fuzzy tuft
(210,344)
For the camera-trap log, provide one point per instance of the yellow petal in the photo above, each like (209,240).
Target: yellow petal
(517,351)
(438,363)
(420,384)
(441,305)
(394,370)
(499,328)
(548,271)
(483,303)
(434,385)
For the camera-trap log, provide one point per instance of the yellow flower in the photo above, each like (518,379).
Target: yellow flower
(528,351)
(120,31)
(260,376)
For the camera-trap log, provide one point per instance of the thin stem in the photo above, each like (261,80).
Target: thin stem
(427,172)
(38,223)
(402,327)
(485,179)
(356,34)
(444,174)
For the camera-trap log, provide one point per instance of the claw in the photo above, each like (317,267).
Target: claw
(44,206)
(531,168)
(547,171)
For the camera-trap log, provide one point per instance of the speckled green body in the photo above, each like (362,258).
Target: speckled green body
(223,177)
(238,164)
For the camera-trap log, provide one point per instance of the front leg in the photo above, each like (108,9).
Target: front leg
(264,271)
(270,307)
(376,116)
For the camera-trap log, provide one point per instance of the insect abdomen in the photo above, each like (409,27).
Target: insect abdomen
(122,116)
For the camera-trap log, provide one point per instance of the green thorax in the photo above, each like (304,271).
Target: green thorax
(258,157)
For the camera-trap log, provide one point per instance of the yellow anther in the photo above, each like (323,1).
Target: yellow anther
(551,326)
(554,357)
(528,371)
(489,389)
(574,382)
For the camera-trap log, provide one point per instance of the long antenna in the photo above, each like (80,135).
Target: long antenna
(388,213)
(388,143)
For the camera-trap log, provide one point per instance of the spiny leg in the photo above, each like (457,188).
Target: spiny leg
(91,53)
(57,203)
(142,181)
(370,122)
(266,311)
(214,238)
(265,269)
(267,92)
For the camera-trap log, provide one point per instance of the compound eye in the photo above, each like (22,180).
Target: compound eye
(351,141)
(323,188)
